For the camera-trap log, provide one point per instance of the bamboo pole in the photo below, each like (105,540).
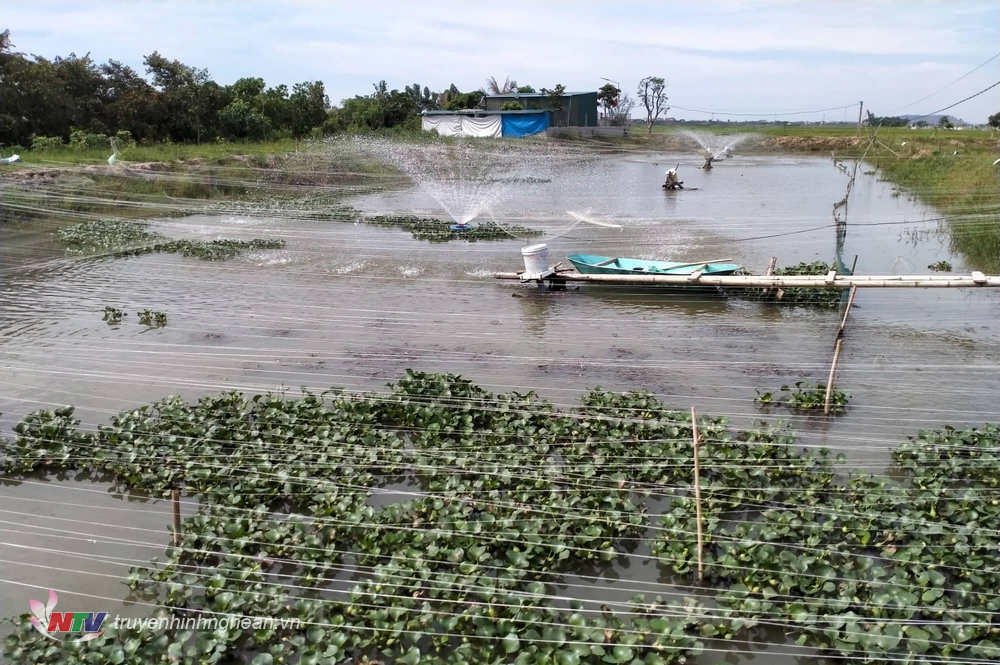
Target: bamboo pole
(847,310)
(836,351)
(829,380)
(785,281)
(175,496)
(697,493)
(772,265)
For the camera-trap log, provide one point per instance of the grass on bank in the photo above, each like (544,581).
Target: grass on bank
(157,152)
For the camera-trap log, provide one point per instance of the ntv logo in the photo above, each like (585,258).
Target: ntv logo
(47,622)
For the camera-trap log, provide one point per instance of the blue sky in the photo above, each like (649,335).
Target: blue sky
(735,57)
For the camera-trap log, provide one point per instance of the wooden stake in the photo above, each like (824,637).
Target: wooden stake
(175,495)
(829,380)
(697,493)
(772,265)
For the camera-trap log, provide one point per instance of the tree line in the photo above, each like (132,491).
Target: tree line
(44,102)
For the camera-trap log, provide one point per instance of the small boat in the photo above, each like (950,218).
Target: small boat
(590,264)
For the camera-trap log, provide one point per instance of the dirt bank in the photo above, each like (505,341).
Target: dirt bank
(810,143)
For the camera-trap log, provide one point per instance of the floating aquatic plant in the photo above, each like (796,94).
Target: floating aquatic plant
(103,235)
(153,319)
(940,266)
(118,239)
(113,314)
(804,396)
(436,230)
(829,298)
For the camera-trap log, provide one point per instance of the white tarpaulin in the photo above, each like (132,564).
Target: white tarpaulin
(446,125)
(462,125)
(488,126)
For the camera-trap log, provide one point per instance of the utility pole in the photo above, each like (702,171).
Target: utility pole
(861,105)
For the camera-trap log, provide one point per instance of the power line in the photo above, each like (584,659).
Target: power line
(961,101)
(949,84)
(832,108)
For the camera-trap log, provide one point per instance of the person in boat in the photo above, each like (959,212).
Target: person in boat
(672,181)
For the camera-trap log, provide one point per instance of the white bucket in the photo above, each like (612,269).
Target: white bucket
(536,260)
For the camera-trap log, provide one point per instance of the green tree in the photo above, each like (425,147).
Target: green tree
(275,104)
(994,120)
(423,98)
(240,120)
(945,123)
(185,99)
(309,105)
(247,88)
(886,120)
(382,109)
(525,89)
(607,96)
(554,97)
(453,99)
(652,95)
(128,101)
(512,105)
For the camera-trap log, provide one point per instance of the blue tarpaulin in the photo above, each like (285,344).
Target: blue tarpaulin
(524,124)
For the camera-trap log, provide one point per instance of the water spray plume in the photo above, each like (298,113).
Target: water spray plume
(465,177)
(715,146)
(590,220)
(581,219)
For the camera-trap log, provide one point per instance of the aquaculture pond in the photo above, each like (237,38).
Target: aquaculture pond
(349,503)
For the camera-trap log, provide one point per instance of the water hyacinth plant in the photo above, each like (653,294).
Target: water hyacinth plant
(804,396)
(153,319)
(940,266)
(117,239)
(436,230)
(506,495)
(113,314)
(826,298)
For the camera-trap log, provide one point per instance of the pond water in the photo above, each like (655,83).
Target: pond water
(353,305)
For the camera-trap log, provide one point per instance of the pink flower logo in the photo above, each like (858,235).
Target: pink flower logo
(47,621)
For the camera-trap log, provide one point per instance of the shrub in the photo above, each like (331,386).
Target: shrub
(81,140)
(125,138)
(46,143)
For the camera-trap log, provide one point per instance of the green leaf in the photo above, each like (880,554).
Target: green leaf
(510,643)
(411,657)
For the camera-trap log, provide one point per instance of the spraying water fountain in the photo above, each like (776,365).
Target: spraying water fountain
(467,178)
(715,147)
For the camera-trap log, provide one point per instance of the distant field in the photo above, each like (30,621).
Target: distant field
(832,131)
